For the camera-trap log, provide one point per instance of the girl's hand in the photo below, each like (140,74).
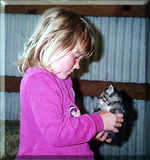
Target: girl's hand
(102,136)
(111,121)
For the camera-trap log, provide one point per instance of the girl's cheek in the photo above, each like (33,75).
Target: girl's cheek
(72,62)
(69,64)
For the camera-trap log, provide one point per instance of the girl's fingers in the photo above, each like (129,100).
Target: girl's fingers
(99,135)
(119,117)
(109,140)
(115,130)
(102,136)
(118,124)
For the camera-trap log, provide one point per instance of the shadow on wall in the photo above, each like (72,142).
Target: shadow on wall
(147,111)
(125,131)
(131,114)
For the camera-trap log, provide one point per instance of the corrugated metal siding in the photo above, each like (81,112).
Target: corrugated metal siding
(135,144)
(2,106)
(12,106)
(124,50)
(123,60)
(2,65)
(19,28)
(2,72)
(147,128)
(124,53)
(148,50)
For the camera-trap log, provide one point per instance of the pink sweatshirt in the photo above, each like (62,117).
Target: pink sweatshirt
(51,123)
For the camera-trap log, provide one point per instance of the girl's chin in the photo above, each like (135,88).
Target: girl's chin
(62,76)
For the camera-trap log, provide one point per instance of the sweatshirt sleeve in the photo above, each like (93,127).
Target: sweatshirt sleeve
(45,98)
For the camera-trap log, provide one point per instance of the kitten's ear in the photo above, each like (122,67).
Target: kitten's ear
(110,90)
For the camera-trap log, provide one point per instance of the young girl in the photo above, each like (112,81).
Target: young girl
(51,124)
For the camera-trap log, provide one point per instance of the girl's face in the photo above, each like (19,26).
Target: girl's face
(64,66)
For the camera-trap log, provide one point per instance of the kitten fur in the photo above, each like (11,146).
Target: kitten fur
(110,100)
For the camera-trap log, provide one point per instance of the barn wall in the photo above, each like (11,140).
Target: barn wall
(122,57)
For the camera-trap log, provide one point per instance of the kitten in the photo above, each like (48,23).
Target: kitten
(110,100)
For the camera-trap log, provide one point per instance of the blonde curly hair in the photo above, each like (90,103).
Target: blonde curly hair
(57,33)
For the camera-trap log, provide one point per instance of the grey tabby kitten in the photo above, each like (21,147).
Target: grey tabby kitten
(110,100)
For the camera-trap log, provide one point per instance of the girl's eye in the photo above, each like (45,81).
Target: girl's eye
(78,57)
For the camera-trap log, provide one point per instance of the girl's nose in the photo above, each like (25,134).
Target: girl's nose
(77,64)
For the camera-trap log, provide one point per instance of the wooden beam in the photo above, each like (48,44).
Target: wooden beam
(91,88)
(133,90)
(85,10)
(12,84)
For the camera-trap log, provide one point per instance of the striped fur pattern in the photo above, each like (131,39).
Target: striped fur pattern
(110,100)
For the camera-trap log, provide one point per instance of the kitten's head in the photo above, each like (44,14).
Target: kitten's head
(110,100)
